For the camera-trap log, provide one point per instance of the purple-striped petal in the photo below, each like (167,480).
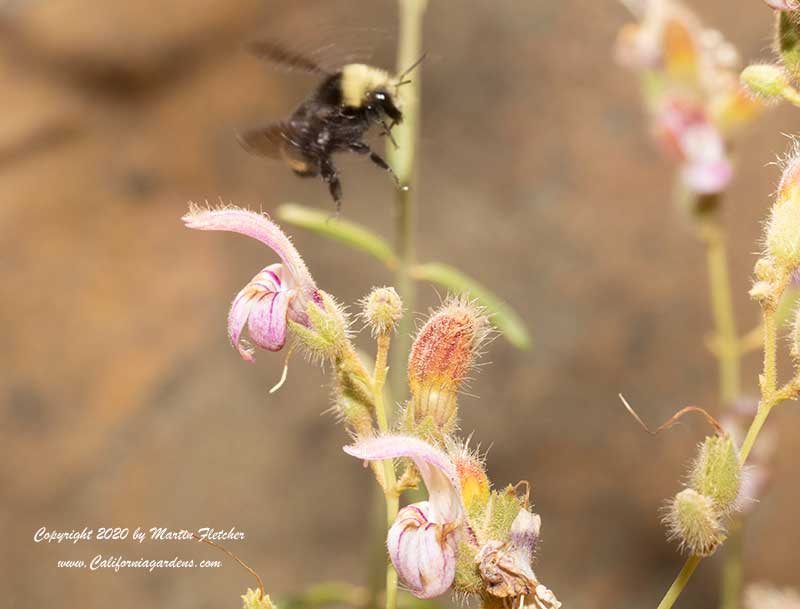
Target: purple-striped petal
(423,552)
(237,318)
(267,322)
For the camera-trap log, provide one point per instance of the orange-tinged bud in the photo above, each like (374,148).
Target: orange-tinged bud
(441,357)
(680,52)
(474,482)
(783,227)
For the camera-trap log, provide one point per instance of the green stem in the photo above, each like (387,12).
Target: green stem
(403,161)
(727,339)
(732,572)
(391,495)
(680,583)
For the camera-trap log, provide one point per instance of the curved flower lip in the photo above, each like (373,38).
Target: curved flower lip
(278,293)
(256,226)
(437,470)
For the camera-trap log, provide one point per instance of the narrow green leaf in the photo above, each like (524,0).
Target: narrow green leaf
(344,231)
(503,316)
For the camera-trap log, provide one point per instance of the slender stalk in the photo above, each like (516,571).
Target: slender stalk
(390,479)
(726,338)
(403,161)
(680,583)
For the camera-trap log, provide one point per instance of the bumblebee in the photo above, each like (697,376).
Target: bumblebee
(334,118)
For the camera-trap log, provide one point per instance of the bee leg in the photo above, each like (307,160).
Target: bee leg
(362,148)
(328,172)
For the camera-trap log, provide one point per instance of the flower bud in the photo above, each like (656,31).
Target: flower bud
(253,599)
(441,357)
(762,291)
(693,519)
(764,270)
(474,482)
(382,309)
(716,472)
(783,227)
(766,80)
(422,551)
(326,334)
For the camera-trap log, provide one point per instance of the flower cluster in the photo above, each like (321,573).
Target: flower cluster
(466,536)
(690,87)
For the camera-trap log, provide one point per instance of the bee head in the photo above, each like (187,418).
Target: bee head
(384,101)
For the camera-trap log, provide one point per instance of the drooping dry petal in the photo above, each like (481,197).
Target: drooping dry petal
(505,567)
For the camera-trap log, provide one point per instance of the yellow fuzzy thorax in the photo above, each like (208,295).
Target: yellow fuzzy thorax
(358,79)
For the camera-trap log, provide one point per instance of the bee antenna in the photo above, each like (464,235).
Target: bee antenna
(409,69)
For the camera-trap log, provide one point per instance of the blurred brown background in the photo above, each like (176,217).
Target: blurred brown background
(124,405)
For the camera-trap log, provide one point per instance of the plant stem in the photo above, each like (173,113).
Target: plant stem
(726,338)
(390,479)
(680,583)
(403,161)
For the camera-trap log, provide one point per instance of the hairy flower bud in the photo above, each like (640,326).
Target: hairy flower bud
(382,309)
(474,482)
(441,358)
(783,227)
(694,521)
(253,599)
(766,80)
(326,333)
(717,473)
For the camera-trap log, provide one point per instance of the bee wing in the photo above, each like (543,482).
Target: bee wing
(281,55)
(270,141)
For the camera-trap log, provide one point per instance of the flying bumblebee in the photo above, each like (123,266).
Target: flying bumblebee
(334,118)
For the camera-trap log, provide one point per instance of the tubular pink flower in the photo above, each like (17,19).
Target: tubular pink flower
(279,292)
(423,540)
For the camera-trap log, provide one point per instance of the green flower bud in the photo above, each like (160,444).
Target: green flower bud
(326,334)
(767,80)
(716,472)
(253,599)
(382,309)
(783,227)
(692,519)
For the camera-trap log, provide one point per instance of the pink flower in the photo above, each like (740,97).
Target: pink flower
(278,292)
(423,540)
(688,135)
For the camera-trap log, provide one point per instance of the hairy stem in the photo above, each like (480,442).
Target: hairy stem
(403,161)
